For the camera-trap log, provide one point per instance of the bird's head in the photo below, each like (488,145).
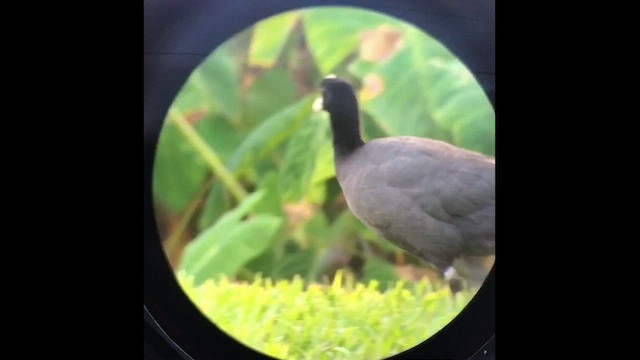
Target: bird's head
(339,100)
(335,93)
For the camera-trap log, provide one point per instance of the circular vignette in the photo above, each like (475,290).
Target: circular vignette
(177,330)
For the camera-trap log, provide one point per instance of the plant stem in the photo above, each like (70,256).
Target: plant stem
(208,155)
(172,244)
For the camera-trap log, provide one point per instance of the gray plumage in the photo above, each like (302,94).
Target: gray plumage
(433,199)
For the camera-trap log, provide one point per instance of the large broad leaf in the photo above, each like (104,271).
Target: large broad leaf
(401,107)
(178,170)
(427,92)
(218,134)
(298,262)
(229,253)
(224,224)
(257,145)
(331,41)
(268,135)
(213,85)
(228,245)
(459,104)
(324,170)
(272,91)
(343,229)
(269,37)
(476,132)
(271,202)
(210,93)
(371,129)
(216,203)
(317,230)
(193,96)
(219,78)
(300,157)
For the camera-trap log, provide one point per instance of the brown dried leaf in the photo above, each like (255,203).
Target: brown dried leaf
(415,273)
(379,44)
(373,85)
(298,212)
(194,116)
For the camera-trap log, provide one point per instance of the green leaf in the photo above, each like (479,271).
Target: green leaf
(299,159)
(360,68)
(210,92)
(256,146)
(272,91)
(225,247)
(264,263)
(296,263)
(443,100)
(476,134)
(458,105)
(343,226)
(398,111)
(271,202)
(215,204)
(269,37)
(324,171)
(218,134)
(178,170)
(225,223)
(226,255)
(192,96)
(317,229)
(268,135)
(317,193)
(371,129)
(325,168)
(219,77)
(331,41)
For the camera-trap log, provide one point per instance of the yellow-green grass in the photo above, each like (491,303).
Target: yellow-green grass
(343,320)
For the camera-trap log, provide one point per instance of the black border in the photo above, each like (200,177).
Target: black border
(177,37)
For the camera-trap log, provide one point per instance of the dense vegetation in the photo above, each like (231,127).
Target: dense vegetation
(244,183)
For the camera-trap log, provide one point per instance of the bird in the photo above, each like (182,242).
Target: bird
(428,197)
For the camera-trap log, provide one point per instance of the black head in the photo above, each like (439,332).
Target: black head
(339,100)
(337,93)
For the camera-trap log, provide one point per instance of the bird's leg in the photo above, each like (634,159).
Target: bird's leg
(444,265)
(450,273)
(455,281)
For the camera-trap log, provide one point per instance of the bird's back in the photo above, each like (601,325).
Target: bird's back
(427,196)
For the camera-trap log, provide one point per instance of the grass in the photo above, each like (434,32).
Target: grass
(342,320)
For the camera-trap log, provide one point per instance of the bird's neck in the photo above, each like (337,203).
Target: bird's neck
(345,127)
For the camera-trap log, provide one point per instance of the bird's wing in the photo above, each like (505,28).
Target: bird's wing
(447,183)
(428,197)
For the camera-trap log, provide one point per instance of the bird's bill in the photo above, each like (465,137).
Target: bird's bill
(317,104)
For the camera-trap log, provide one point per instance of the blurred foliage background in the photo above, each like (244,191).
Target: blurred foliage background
(244,179)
